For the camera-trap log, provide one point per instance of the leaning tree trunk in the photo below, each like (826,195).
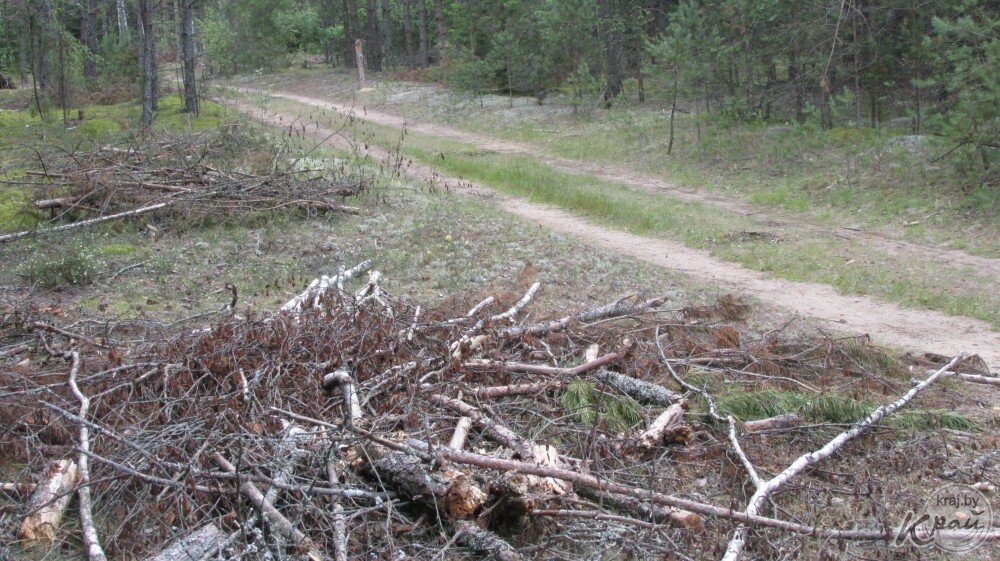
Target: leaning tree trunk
(147,61)
(88,36)
(188,50)
(425,60)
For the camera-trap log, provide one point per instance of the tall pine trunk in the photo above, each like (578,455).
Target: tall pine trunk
(408,31)
(189,54)
(88,36)
(122,17)
(614,72)
(22,42)
(425,60)
(351,31)
(386,33)
(6,80)
(793,66)
(147,60)
(42,38)
(374,43)
(439,23)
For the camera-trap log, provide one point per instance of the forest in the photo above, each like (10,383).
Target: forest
(847,63)
(455,280)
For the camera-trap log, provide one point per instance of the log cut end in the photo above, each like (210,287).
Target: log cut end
(464,498)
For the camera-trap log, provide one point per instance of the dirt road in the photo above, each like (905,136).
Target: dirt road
(934,256)
(888,324)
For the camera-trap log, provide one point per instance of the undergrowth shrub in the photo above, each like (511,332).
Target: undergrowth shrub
(75,263)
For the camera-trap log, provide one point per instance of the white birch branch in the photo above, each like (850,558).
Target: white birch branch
(90,539)
(319,287)
(135,212)
(766,488)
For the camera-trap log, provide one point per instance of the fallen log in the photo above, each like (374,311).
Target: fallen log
(18,489)
(48,503)
(518,389)
(286,455)
(342,379)
(339,520)
(613,310)
(480,539)
(522,447)
(450,490)
(972,378)
(488,365)
(471,340)
(780,421)
(495,429)
(447,491)
(655,497)
(639,390)
(47,204)
(319,287)
(461,433)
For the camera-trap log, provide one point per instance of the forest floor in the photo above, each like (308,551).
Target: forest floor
(856,276)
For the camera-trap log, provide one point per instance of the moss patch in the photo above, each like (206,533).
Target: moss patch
(98,128)
(15,214)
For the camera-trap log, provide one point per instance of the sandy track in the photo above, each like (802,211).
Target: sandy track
(887,323)
(935,256)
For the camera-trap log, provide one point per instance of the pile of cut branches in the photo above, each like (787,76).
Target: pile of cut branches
(172,174)
(351,423)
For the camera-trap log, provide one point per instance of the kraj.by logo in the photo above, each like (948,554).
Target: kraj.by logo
(956,518)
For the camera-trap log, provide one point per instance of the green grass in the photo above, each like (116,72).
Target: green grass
(16,212)
(103,121)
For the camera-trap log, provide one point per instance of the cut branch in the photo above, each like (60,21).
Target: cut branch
(90,539)
(272,514)
(766,488)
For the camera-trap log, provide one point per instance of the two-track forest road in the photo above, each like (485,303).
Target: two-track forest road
(887,323)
